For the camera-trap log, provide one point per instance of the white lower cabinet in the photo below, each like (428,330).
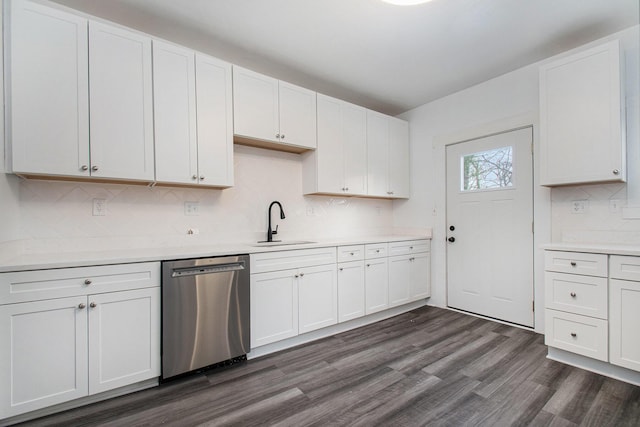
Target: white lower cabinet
(317,298)
(376,279)
(399,279)
(624,316)
(55,350)
(350,290)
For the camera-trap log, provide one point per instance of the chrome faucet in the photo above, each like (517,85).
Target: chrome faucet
(270,233)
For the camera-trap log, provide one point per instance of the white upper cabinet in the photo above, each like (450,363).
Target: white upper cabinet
(121,113)
(273,112)
(338,165)
(387,156)
(47,90)
(193,122)
(581,118)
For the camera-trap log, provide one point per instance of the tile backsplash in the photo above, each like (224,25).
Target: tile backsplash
(58,215)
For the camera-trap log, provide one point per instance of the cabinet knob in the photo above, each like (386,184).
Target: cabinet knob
(573,294)
(573,264)
(282,136)
(351,253)
(301,274)
(377,251)
(81,305)
(201,177)
(451,239)
(341,269)
(616,172)
(296,276)
(87,281)
(94,168)
(277,136)
(412,259)
(573,334)
(194,177)
(84,168)
(93,305)
(368,265)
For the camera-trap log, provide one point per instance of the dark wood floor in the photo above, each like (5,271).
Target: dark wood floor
(426,367)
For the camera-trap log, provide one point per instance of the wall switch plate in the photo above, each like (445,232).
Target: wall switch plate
(614,205)
(192,208)
(99,207)
(579,206)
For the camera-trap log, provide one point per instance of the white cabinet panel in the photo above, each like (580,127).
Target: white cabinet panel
(377,154)
(623,323)
(215,121)
(377,285)
(255,105)
(420,277)
(577,294)
(121,110)
(297,115)
(581,118)
(624,267)
(579,334)
(399,174)
(274,307)
(174,101)
(43,354)
(354,143)
(576,263)
(351,291)
(47,90)
(317,298)
(124,338)
(399,280)
(282,260)
(350,253)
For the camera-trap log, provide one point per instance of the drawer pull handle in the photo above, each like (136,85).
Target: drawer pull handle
(87,281)
(573,334)
(573,264)
(573,294)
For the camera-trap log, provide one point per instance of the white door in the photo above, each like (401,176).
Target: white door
(121,103)
(297,115)
(354,143)
(398,158)
(399,277)
(420,276)
(255,105)
(490,226)
(623,323)
(376,280)
(377,154)
(317,297)
(43,354)
(330,152)
(124,338)
(350,290)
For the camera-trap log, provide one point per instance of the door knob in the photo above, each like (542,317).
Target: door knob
(452,228)
(451,239)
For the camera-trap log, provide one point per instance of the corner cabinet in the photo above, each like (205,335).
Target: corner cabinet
(193,117)
(69,333)
(272,113)
(338,165)
(582,138)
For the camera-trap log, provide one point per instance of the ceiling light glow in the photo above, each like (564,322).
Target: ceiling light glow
(405,2)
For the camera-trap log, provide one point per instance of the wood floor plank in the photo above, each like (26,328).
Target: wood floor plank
(430,366)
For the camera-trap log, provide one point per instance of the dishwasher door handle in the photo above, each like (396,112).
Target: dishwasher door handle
(208,269)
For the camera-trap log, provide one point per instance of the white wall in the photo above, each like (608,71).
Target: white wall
(500,104)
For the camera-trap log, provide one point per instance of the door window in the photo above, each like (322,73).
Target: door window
(487,170)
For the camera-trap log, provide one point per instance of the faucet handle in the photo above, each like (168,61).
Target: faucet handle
(275,231)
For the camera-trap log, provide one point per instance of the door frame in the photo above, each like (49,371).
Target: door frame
(541,203)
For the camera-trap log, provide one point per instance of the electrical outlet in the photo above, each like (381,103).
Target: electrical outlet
(579,206)
(614,205)
(310,211)
(99,207)
(192,208)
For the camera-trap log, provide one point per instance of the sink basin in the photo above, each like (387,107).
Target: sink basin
(282,243)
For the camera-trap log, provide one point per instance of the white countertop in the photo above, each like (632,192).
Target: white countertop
(39,261)
(596,248)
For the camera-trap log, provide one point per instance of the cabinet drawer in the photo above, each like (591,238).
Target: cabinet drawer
(576,263)
(586,295)
(409,247)
(376,250)
(350,253)
(578,334)
(283,260)
(36,285)
(624,267)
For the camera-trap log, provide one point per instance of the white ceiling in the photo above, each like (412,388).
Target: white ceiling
(388,58)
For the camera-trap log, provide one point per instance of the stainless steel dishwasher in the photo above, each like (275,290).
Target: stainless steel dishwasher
(205,313)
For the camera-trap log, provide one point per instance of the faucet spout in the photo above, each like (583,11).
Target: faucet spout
(271,232)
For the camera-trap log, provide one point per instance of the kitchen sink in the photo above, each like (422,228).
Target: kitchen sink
(282,243)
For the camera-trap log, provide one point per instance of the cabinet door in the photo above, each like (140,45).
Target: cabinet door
(215,121)
(297,115)
(121,110)
(581,120)
(43,354)
(174,102)
(376,279)
(624,319)
(399,279)
(354,141)
(377,154)
(274,307)
(350,290)
(398,158)
(124,338)
(47,90)
(255,105)
(317,297)
(330,159)
(420,276)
